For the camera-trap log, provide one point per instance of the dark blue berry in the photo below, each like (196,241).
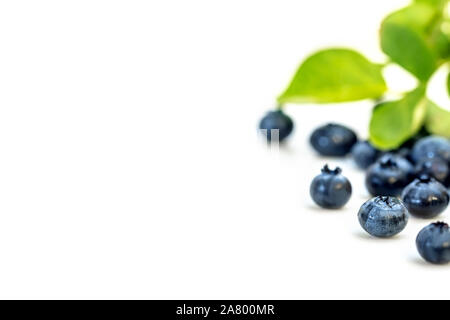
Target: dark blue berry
(276,121)
(435,168)
(333,140)
(364,154)
(425,197)
(430,148)
(433,243)
(389,175)
(330,189)
(383,216)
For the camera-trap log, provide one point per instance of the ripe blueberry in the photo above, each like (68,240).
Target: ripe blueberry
(435,168)
(425,197)
(364,154)
(276,120)
(333,140)
(431,147)
(389,175)
(383,216)
(330,189)
(433,243)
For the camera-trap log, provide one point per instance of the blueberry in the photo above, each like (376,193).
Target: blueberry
(425,197)
(435,168)
(383,216)
(330,189)
(433,243)
(431,147)
(364,154)
(276,120)
(389,175)
(333,140)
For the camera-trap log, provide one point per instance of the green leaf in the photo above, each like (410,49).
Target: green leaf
(394,122)
(405,38)
(437,120)
(408,48)
(335,75)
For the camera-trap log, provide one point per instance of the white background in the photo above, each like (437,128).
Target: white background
(130,165)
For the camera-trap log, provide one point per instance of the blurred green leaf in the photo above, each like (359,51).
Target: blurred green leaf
(448,84)
(335,75)
(437,120)
(435,3)
(394,122)
(441,41)
(405,40)
(419,16)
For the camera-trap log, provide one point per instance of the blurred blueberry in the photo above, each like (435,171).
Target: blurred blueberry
(333,140)
(425,197)
(364,154)
(435,168)
(430,148)
(274,120)
(433,243)
(389,175)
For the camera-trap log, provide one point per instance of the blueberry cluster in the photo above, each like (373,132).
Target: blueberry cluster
(412,180)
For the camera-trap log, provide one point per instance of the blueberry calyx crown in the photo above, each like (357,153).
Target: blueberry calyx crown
(441,225)
(385,199)
(388,162)
(424,178)
(326,169)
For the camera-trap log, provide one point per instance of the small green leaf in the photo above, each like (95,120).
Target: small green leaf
(335,75)
(438,120)
(394,122)
(409,48)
